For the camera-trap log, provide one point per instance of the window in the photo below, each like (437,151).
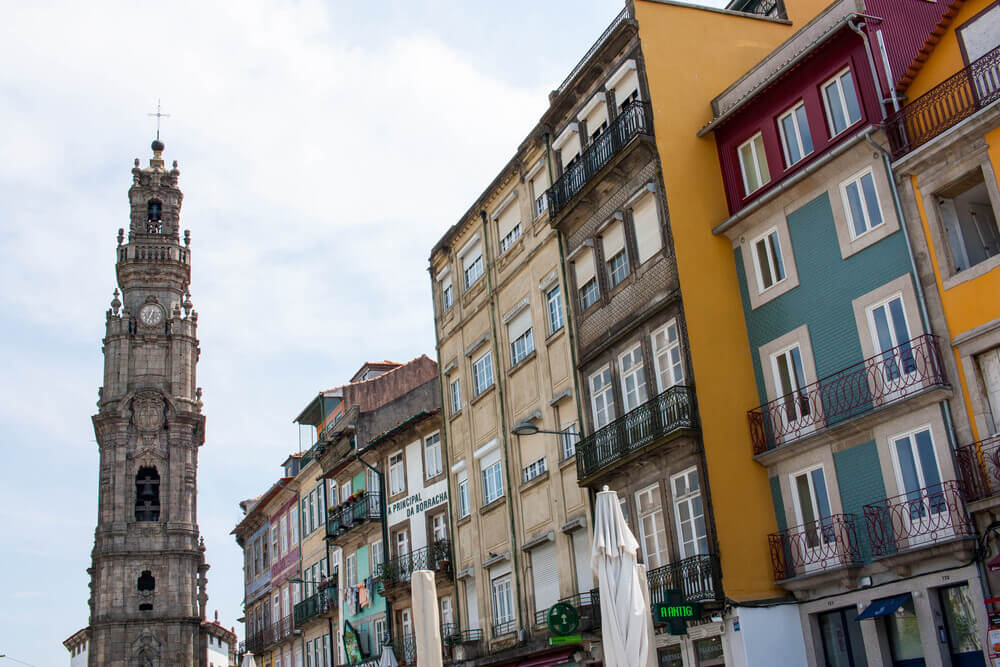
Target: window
(790,382)
(432,455)
(508,221)
(667,356)
(371,481)
(812,505)
(293,523)
(539,185)
(482,374)
(402,543)
(472,265)
(861,203)
(147,494)
(275,542)
(553,301)
(613,240)
(447,613)
(154,210)
(439,528)
(969,221)
(917,469)
(508,239)
(633,378)
(376,555)
(652,534)
(447,293)
(397,476)
(589,294)
(533,470)
(503,604)
(379,626)
(960,618)
(753,164)
(568,439)
(891,335)
(988,363)
(351,571)
(602,399)
(795,137)
(841,102)
(283,529)
(522,342)
(463,496)
(768,262)
(492,483)
(841,635)
(455,392)
(646,222)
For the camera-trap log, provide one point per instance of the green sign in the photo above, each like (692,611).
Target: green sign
(676,612)
(567,639)
(563,618)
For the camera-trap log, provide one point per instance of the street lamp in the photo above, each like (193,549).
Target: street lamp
(527,427)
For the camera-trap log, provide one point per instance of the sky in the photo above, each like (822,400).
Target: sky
(324,147)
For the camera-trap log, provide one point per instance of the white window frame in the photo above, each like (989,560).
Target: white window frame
(482,374)
(607,393)
(774,263)
(351,570)
(436,535)
(533,470)
(492,480)
(473,268)
(803,153)
(553,306)
(762,178)
(837,79)
(284,533)
(688,499)
(659,534)
(521,347)
(377,555)
(568,439)
(507,241)
(671,348)
(455,395)
(447,296)
(432,455)
(397,473)
(503,599)
(592,290)
(856,179)
(464,503)
(637,373)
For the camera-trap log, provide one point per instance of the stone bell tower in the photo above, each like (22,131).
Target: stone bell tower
(148,575)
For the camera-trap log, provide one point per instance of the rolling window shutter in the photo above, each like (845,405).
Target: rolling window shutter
(545,575)
(519,324)
(597,115)
(626,86)
(581,556)
(508,219)
(982,35)
(647,227)
(540,183)
(471,603)
(570,149)
(471,255)
(613,238)
(583,266)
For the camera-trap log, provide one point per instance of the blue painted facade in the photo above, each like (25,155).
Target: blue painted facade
(262,583)
(861,483)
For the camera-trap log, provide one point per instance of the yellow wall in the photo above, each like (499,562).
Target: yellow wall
(691,56)
(947,57)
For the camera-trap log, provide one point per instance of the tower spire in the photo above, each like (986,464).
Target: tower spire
(159,114)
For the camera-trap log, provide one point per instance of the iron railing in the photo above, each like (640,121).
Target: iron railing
(634,120)
(314,605)
(980,467)
(699,578)
(278,631)
(588,604)
(816,546)
(436,557)
(623,16)
(254,642)
(887,377)
(924,516)
(770,8)
(504,628)
(657,417)
(947,104)
(405,649)
(353,513)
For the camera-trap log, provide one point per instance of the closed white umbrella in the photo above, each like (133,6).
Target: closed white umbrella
(625,614)
(248,661)
(388,658)
(426,620)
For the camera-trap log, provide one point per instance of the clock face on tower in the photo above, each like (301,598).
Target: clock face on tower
(151,315)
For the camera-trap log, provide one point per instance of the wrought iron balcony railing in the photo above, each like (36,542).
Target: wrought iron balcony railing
(502,628)
(814,547)
(699,578)
(944,106)
(664,414)
(770,8)
(924,516)
(436,557)
(278,631)
(353,513)
(980,467)
(623,16)
(588,604)
(255,642)
(634,120)
(893,375)
(405,649)
(316,604)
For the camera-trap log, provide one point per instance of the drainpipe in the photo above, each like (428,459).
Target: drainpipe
(384,516)
(871,63)
(888,71)
(503,425)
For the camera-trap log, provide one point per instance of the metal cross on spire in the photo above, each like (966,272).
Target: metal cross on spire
(158,116)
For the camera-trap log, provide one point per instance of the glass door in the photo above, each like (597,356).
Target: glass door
(842,642)
(960,619)
(814,545)
(891,335)
(904,636)
(918,477)
(794,418)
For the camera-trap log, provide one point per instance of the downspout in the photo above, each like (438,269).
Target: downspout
(571,333)
(888,71)
(384,516)
(456,608)
(871,64)
(503,426)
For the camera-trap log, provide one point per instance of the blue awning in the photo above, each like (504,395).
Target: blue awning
(883,607)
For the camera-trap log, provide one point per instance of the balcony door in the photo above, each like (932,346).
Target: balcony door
(794,415)
(402,541)
(813,544)
(922,515)
(652,534)
(895,364)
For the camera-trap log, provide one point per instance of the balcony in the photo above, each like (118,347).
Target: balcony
(633,121)
(254,643)
(459,645)
(587,604)
(316,604)
(501,628)
(353,513)
(970,90)
(896,374)
(667,414)
(920,518)
(397,571)
(405,649)
(698,578)
(979,464)
(277,632)
(770,8)
(815,547)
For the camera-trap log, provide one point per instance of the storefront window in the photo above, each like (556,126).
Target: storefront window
(904,635)
(963,637)
(670,656)
(842,642)
(708,652)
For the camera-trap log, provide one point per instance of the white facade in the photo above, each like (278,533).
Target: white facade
(78,655)
(218,652)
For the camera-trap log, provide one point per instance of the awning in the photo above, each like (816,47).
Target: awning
(548,660)
(883,607)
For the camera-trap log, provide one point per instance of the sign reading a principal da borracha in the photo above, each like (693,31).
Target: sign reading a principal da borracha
(415,504)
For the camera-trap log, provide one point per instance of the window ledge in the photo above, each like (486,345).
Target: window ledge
(492,505)
(473,290)
(555,335)
(971,273)
(461,521)
(435,478)
(522,363)
(534,481)
(485,392)
(626,281)
(512,251)
(454,415)
(568,461)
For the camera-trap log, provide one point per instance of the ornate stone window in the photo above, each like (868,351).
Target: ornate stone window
(147,494)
